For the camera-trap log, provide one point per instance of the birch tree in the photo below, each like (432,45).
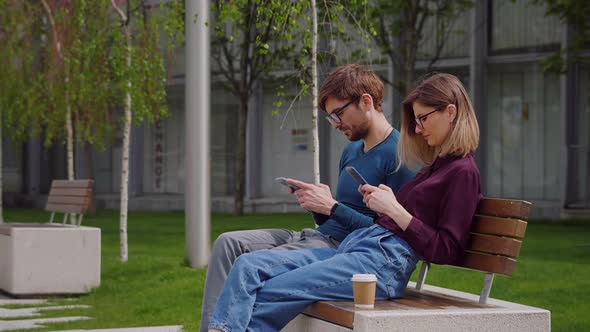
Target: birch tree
(76,67)
(141,76)
(126,134)
(57,37)
(314,91)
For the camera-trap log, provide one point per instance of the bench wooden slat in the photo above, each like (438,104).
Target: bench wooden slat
(508,208)
(332,312)
(499,226)
(70,192)
(495,245)
(419,303)
(488,263)
(342,312)
(72,183)
(70,200)
(66,208)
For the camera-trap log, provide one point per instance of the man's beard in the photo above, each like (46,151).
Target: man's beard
(359,134)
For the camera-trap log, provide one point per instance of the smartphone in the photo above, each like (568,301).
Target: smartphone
(284,182)
(355,175)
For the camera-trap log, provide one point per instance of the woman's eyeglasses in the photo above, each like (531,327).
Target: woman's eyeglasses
(419,120)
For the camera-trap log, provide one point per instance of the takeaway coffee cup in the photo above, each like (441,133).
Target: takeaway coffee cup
(363,289)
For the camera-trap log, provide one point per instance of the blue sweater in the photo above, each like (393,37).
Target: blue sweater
(377,166)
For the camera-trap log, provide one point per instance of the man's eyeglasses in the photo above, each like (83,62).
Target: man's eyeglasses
(334,117)
(419,121)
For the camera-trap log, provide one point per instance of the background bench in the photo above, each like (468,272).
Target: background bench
(50,258)
(70,197)
(498,228)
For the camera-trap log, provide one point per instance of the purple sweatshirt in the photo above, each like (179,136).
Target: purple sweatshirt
(442,199)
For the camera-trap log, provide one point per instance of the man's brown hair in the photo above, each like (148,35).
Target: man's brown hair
(352,81)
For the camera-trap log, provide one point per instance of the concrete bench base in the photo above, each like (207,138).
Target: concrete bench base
(43,259)
(500,315)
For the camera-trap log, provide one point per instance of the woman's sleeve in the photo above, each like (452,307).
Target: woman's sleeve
(447,242)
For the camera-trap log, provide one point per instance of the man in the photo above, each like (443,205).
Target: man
(352,95)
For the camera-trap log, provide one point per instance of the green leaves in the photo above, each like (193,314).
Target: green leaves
(575,13)
(89,73)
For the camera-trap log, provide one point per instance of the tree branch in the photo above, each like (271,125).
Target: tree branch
(119,11)
(53,28)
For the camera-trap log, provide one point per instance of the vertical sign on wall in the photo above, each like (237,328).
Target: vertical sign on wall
(300,139)
(159,160)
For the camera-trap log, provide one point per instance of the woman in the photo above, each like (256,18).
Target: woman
(429,218)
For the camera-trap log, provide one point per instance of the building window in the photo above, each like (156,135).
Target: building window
(456,41)
(582,149)
(523,133)
(522,27)
(12,166)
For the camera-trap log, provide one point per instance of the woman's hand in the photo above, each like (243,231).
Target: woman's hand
(379,199)
(383,201)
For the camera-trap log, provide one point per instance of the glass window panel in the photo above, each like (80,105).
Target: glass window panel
(552,134)
(287,141)
(584,139)
(12,171)
(533,134)
(102,170)
(518,25)
(223,140)
(456,43)
(523,133)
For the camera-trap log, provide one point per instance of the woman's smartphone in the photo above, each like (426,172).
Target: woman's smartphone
(355,175)
(283,181)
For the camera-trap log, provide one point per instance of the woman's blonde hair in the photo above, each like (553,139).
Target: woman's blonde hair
(438,91)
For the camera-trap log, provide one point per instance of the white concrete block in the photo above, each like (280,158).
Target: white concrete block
(306,323)
(38,259)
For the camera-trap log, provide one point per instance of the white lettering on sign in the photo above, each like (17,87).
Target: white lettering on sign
(158,156)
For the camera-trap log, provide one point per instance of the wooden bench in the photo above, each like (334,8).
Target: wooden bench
(50,258)
(73,198)
(498,228)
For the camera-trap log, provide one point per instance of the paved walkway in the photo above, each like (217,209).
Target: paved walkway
(24,318)
(135,329)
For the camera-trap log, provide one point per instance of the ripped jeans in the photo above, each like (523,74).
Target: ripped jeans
(266,289)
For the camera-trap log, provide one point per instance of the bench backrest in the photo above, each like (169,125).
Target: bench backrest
(497,231)
(70,196)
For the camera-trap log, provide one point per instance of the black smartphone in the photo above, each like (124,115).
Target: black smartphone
(355,175)
(284,182)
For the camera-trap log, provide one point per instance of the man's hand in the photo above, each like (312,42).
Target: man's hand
(314,197)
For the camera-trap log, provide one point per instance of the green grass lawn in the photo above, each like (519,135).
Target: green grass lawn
(155,287)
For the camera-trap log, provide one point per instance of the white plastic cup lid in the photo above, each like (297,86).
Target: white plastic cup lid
(364,277)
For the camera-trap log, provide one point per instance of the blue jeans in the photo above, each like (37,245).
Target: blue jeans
(267,289)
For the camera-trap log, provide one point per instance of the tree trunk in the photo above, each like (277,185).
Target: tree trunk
(125,157)
(1,179)
(314,92)
(70,140)
(240,170)
(70,145)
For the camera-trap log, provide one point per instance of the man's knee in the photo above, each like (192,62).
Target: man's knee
(229,241)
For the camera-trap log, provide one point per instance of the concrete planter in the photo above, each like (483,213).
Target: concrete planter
(40,259)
